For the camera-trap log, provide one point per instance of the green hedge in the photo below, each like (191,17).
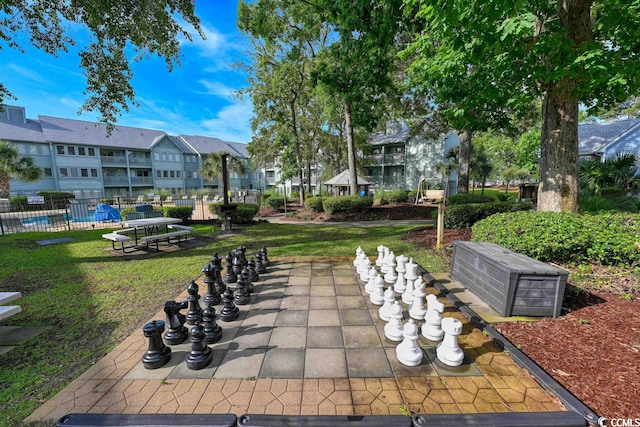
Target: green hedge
(18,203)
(390,197)
(274,202)
(332,205)
(464,198)
(465,215)
(182,212)
(314,204)
(608,238)
(244,214)
(125,213)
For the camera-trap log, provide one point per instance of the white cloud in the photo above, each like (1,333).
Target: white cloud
(217,89)
(27,73)
(231,123)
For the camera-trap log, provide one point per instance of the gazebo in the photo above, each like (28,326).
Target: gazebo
(340,185)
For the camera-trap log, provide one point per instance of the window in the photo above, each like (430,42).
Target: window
(64,172)
(92,152)
(84,172)
(178,174)
(74,172)
(71,150)
(165,174)
(94,173)
(81,151)
(172,174)
(60,149)
(158,174)
(47,172)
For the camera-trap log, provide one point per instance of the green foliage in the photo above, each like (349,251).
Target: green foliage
(314,204)
(131,213)
(274,202)
(391,197)
(466,215)
(503,197)
(336,204)
(182,212)
(601,203)
(264,196)
(244,213)
(56,199)
(607,238)
(465,198)
(17,203)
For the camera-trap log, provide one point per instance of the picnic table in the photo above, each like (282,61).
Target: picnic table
(148,231)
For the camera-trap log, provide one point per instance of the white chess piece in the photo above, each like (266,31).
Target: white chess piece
(401,283)
(389,298)
(431,329)
(391,276)
(370,286)
(363,269)
(385,266)
(377,297)
(356,262)
(417,309)
(380,259)
(407,351)
(393,330)
(448,351)
(411,276)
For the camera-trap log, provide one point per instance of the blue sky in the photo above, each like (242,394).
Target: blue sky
(196,98)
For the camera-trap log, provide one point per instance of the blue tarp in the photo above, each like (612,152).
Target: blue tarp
(106,212)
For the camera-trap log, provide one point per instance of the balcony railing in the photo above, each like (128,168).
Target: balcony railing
(139,161)
(141,180)
(394,159)
(116,180)
(113,160)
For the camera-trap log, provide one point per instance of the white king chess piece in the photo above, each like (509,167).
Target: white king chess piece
(363,269)
(401,283)
(431,329)
(381,254)
(356,262)
(408,351)
(448,351)
(371,283)
(393,330)
(391,276)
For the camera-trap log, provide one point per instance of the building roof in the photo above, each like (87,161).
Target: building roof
(594,137)
(207,145)
(342,179)
(383,138)
(29,131)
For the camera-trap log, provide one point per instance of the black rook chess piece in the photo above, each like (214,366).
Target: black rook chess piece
(158,354)
(212,297)
(177,333)
(200,355)
(212,331)
(242,297)
(229,275)
(194,315)
(229,312)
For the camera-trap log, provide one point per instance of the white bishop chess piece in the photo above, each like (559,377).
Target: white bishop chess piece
(393,330)
(401,283)
(389,298)
(448,351)
(377,297)
(411,276)
(431,329)
(417,309)
(370,286)
(407,351)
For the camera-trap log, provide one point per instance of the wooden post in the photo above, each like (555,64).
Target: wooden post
(440,226)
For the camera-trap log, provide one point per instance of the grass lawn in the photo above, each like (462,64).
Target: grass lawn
(92,300)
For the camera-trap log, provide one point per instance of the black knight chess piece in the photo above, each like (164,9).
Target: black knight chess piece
(158,354)
(212,331)
(243,255)
(200,354)
(229,276)
(212,297)
(194,315)
(237,263)
(216,262)
(177,332)
(229,312)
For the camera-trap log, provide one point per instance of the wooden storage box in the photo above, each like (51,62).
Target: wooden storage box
(511,283)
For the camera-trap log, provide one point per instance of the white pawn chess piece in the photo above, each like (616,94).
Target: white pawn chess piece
(385,266)
(401,283)
(432,329)
(389,298)
(356,262)
(408,351)
(380,259)
(417,309)
(393,330)
(391,276)
(363,269)
(448,351)
(410,276)
(360,258)
(371,283)
(377,297)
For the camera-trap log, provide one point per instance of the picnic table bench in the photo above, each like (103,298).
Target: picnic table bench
(9,310)
(143,232)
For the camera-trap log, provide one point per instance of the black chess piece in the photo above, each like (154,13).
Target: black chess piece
(265,259)
(260,268)
(194,315)
(229,312)
(237,263)
(246,275)
(158,354)
(242,297)
(177,332)
(200,354)
(212,331)
(229,276)
(253,273)
(216,261)
(243,255)
(212,297)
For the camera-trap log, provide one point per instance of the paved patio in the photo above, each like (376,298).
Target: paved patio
(310,342)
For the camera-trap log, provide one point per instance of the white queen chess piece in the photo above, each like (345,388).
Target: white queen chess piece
(393,330)
(417,309)
(407,351)
(401,283)
(377,297)
(359,252)
(389,298)
(431,329)
(448,351)
(411,276)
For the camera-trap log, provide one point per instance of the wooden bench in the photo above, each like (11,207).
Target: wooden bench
(9,310)
(173,237)
(118,238)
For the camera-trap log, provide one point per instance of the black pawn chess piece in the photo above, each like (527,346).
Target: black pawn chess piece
(253,273)
(177,332)
(229,312)
(246,275)
(237,263)
(212,331)
(158,354)
(200,355)
(265,259)
(212,297)
(242,297)
(194,315)
(260,268)
(229,276)
(216,261)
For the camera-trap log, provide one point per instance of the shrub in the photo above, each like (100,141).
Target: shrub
(378,198)
(464,216)
(395,196)
(244,213)
(411,195)
(18,203)
(332,205)
(601,203)
(132,213)
(464,198)
(314,204)
(608,238)
(266,195)
(182,212)
(274,202)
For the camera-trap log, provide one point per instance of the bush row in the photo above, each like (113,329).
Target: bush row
(390,197)
(314,204)
(244,213)
(465,215)
(464,198)
(608,238)
(332,205)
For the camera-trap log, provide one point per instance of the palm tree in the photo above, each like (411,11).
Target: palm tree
(617,174)
(212,166)
(13,165)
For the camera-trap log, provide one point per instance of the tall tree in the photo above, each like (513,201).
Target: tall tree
(211,167)
(121,31)
(566,51)
(13,165)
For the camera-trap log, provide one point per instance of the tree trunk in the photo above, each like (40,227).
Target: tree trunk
(294,126)
(351,150)
(464,159)
(4,185)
